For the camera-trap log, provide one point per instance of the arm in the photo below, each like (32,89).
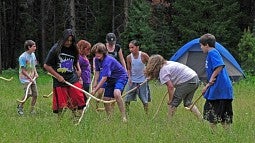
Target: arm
(96,76)
(24,72)
(145,57)
(170,88)
(122,60)
(129,69)
(102,81)
(54,73)
(36,73)
(212,78)
(78,69)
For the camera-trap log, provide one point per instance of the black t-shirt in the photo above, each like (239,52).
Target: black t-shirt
(115,53)
(63,64)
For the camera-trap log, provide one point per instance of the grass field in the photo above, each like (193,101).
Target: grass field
(45,127)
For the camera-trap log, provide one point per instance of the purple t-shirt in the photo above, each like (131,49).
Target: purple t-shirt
(110,68)
(85,70)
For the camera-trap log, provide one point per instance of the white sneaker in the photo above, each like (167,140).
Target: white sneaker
(33,112)
(124,120)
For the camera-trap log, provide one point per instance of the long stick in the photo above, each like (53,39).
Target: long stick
(134,88)
(47,96)
(28,86)
(160,105)
(6,79)
(87,104)
(100,100)
(194,103)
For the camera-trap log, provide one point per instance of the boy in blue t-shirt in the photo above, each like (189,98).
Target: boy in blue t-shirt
(218,92)
(113,73)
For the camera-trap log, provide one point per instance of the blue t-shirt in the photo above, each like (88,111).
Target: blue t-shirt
(110,67)
(222,87)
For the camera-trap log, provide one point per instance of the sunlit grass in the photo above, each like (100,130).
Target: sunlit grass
(96,127)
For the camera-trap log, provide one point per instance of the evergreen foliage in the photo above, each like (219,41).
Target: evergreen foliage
(162,27)
(220,18)
(246,50)
(139,28)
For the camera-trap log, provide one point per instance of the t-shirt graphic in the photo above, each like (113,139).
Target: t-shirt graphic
(65,63)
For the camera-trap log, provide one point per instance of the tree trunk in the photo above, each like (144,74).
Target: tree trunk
(43,54)
(113,15)
(126,5)
(72,13)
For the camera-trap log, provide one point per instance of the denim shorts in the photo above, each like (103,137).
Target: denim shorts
(142,91)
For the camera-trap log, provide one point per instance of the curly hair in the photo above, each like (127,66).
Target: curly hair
(153,67)
(83,44)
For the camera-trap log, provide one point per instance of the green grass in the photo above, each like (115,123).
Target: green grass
(95,127)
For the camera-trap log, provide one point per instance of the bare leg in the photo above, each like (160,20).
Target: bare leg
(108,107)
(226,126)
(21,104)
(20,107)
(213,126)
(127,104)
(171,111)
(145,106)
(100,93)
(196,112)
(117,96)
(33,102)
(61,112)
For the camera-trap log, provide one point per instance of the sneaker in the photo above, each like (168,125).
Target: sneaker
(124,120)
(20,110)
(33,112)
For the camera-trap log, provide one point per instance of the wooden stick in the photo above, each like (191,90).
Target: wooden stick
(47,96)
(87,104)
(93,97)
(28,86)
(6,79)
(160,105)
(194,103)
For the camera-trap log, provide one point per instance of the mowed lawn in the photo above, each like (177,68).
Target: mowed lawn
(95,127)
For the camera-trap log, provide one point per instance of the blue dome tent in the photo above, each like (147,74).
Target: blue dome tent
(192,55)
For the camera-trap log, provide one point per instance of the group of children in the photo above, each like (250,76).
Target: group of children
(68,62)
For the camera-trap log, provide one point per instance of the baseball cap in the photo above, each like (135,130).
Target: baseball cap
(110,38)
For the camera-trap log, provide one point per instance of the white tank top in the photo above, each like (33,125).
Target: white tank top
(137,69)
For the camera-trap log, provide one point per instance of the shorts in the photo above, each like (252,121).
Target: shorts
(143,93)
(67,96)
(218,111)
(185,92)
(113,84)
(32,90)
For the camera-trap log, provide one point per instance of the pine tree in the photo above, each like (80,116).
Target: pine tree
(139,28)
(218,17)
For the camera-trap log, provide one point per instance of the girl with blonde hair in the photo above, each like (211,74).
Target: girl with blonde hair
(181,82)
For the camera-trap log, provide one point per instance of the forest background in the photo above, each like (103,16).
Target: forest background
(162,26)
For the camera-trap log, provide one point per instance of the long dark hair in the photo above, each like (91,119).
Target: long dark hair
(62,40)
